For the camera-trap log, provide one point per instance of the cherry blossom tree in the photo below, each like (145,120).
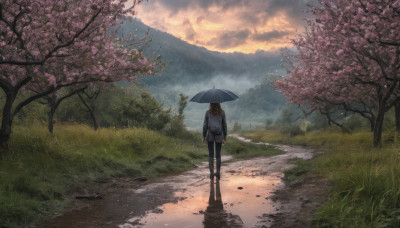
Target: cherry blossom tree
(316,92)
(46,45)
(349,55)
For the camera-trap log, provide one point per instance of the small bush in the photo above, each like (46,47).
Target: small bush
(292,130)
(238,148)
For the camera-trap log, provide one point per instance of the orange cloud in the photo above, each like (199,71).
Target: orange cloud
(227,26)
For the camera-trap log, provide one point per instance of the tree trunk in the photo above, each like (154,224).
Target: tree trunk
(50,115)
(6,123)
(90,109)
(378,126)
(95,124)
(397,115)
(53,103)
(372,124)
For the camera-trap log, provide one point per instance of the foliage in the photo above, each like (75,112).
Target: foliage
(290,122)
(261,102)
(144,111)
(318,122)
(48,45)
(182,104)
(292,130)
(355,45)
(119,107)
(176,127)
(107,103)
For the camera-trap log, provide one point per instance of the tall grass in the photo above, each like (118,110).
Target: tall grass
(366,180)
(42,170)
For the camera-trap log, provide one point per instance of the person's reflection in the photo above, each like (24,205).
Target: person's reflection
(215,215)
(215,201)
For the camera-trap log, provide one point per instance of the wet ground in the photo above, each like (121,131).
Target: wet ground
(243,197)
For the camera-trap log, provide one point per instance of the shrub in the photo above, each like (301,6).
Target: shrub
(292,130)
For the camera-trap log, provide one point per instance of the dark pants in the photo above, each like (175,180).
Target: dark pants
(217,155)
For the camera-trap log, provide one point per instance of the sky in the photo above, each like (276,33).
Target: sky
(228,25)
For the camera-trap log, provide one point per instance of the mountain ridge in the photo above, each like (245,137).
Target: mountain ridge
(191,68)
(197,63)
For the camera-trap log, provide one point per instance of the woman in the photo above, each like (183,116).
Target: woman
(214,132)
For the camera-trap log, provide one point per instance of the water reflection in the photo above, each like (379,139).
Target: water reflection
(189,200)
(215,215)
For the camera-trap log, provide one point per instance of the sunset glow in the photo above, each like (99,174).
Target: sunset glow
(227,26)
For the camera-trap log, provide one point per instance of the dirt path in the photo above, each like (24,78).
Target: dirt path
(249,194)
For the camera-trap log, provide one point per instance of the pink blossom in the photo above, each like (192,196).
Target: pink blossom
(94,50)
(62,43)
(322,75)
(339,52)
(371,7)
(51,79)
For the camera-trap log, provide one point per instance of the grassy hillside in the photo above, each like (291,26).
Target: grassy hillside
(41,170)
(366,180)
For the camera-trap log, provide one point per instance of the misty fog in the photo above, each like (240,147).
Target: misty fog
(190,69)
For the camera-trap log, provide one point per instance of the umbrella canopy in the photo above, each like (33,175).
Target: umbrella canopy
(214,96)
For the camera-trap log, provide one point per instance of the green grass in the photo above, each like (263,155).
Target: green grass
(298,173)
(239,149)
(41,170)
(366,180)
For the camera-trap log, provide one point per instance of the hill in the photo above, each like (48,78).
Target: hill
(190,69)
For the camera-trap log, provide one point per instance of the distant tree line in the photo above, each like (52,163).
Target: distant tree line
(112,106)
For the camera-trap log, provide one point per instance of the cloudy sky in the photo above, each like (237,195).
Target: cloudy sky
(228,25)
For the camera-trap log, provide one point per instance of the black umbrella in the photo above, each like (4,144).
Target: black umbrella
(214,96)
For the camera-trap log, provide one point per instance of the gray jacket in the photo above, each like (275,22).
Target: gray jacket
(210,137)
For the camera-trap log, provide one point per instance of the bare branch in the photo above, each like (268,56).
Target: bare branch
(30,99)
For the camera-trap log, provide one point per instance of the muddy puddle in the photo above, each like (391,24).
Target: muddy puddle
(239,199)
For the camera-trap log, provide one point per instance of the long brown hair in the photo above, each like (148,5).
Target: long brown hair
(215,109)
